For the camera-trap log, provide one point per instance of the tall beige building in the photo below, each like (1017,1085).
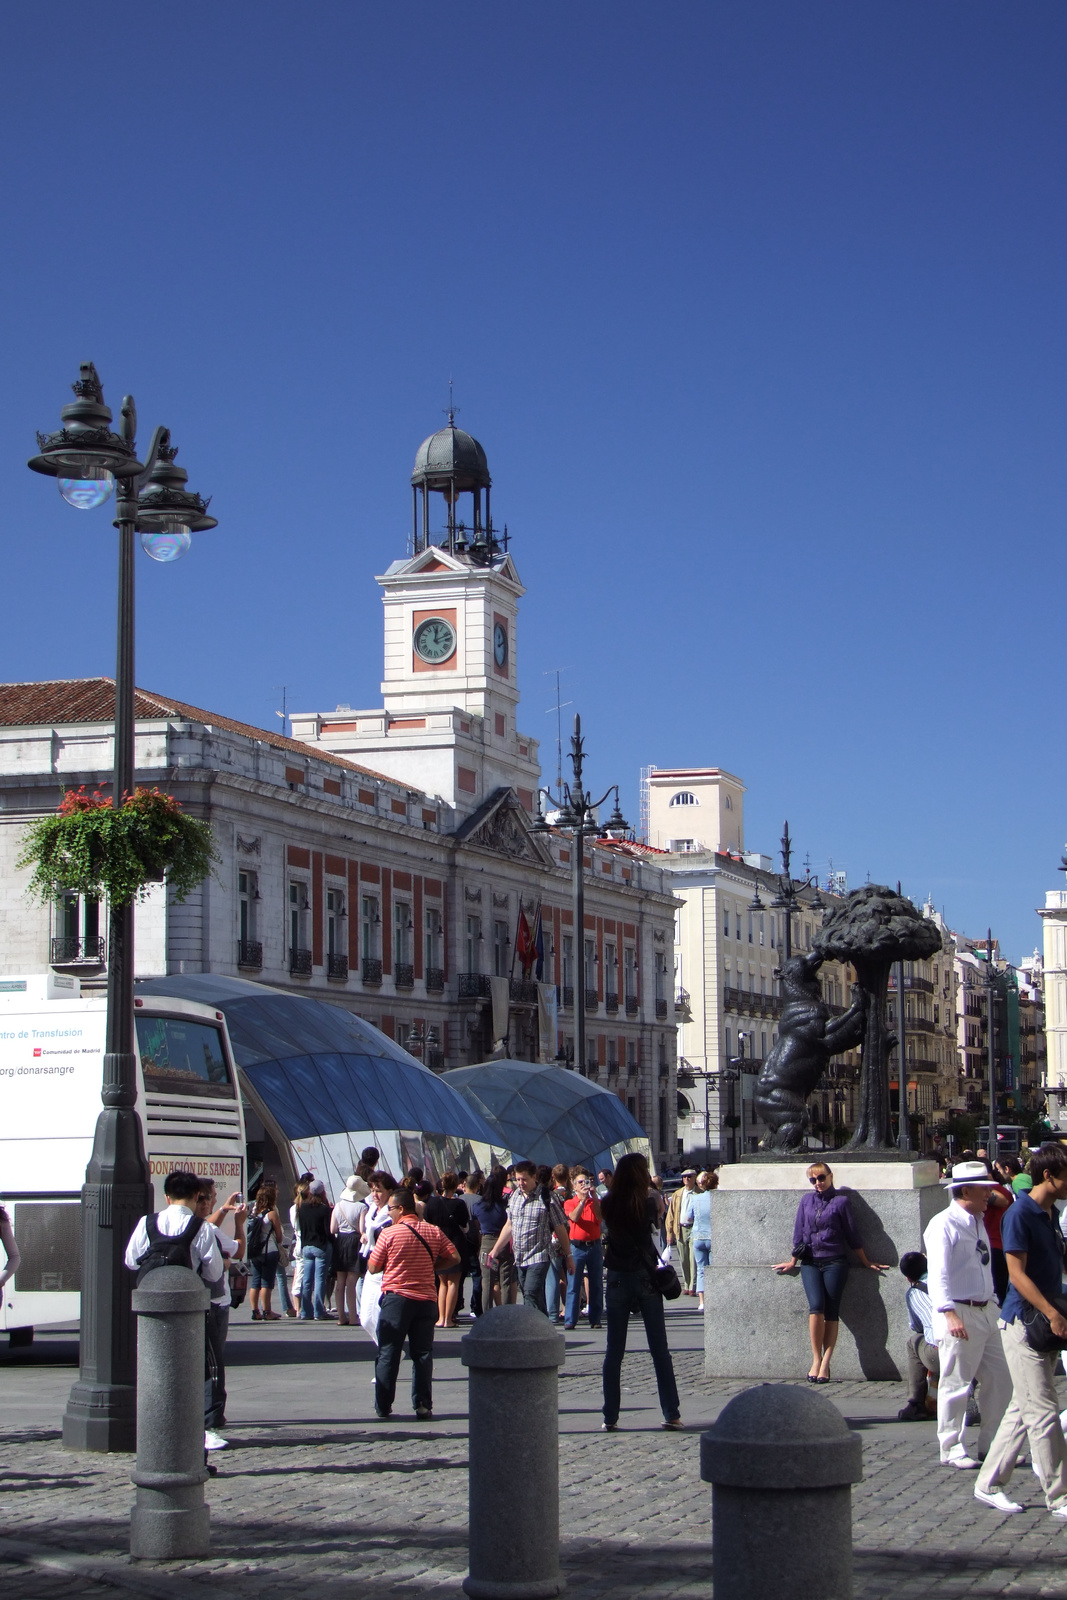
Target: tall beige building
(1054,920)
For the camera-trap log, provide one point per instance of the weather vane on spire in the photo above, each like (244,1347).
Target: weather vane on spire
(451,412)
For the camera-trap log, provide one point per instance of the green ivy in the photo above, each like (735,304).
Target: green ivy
(91,848)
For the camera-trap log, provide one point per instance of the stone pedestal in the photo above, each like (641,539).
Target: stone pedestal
(756,1322)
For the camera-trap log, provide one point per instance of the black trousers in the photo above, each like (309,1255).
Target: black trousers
(400,1319)
(218,1324)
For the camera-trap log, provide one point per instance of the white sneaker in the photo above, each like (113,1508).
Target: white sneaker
(965,1462)
(214,1441)
(998,1500)
(1061,1512)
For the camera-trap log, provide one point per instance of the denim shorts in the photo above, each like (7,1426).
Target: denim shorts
(824,1284)
(264,1271)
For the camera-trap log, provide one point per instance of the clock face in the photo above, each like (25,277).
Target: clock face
(435,640)
(500,644)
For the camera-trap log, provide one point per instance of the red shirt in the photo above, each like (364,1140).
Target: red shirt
(406,1261)
(992,1218)
(583,1228)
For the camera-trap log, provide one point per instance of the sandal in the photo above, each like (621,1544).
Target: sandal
(257,1316)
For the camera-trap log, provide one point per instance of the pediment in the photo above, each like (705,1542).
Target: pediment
(432,559)
(501,825)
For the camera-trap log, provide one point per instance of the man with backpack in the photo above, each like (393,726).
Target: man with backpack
(177,1237)
(180,1237)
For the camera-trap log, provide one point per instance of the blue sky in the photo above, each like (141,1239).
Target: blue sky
(757,310)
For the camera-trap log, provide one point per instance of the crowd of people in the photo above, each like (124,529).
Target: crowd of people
(400,1256)
(987,1313)
(406,1257)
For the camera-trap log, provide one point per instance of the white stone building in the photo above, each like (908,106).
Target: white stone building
(381,860)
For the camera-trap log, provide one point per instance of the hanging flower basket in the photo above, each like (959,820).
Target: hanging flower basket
(92,848)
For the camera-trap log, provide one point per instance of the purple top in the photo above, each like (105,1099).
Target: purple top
(825,1224)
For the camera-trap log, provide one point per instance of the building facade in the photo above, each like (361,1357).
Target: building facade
(1054,972)
(382,860)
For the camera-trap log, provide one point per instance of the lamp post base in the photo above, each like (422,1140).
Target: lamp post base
(101,1417)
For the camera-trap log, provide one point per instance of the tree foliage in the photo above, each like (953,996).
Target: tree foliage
(875,924)
(91,847)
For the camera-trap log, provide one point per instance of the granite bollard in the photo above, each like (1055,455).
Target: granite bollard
(781,1461)
(514,1354)
(169,1518)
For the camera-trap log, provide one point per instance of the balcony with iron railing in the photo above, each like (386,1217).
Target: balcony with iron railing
(592,1000)
(473,986)
(372,969)
(64,950)
(337,968)
(250,954)
(404,975)
(923,985)
(523,992)
(435,980)
(744,1002)
(632,1005)
(568,997)
(611,1002)
(300,963)
(661,1008)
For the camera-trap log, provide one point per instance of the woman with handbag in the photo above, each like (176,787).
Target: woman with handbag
(1033,1331)
(631,1213)
(823,1234)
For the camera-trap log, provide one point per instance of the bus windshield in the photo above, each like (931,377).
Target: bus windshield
(182,1057)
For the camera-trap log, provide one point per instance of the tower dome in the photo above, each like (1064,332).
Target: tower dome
(451,460)
(452,463)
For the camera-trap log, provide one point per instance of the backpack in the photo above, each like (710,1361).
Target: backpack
(259,1234)
(164,1251)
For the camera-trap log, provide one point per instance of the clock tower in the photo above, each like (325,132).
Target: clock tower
(450,687)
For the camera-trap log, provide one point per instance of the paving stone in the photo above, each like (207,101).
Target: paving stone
(314,1494)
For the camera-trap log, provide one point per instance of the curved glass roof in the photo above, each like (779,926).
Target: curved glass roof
(549,1114)
(334,1083)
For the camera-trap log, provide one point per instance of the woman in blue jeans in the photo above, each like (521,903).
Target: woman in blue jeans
(313,1221)
(631,1213)
(823,1234)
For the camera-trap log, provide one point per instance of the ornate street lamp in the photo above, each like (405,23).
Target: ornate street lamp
(575,816)
(89,461)
(788,898)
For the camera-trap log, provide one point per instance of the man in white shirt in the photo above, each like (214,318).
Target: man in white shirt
(960,1280)
(181,1190)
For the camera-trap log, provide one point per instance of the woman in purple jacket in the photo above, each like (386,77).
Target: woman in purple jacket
(823,1234)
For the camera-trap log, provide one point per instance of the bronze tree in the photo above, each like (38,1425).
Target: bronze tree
(873,928)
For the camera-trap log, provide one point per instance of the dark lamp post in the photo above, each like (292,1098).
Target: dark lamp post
(88,461)
(575,816)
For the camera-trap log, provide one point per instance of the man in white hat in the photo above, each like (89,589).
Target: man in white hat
(960,1278)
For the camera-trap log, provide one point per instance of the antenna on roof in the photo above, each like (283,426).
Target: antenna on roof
(558,709)
(284,712)
(451,413)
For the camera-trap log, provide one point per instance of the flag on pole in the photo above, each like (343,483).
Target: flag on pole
(524,943)
(539,945)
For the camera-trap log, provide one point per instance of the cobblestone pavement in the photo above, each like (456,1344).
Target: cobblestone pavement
(315,1496)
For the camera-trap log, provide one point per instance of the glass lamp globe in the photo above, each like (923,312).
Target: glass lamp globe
(88,486)
(168,542)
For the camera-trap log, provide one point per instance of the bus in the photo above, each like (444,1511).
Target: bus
(51,1066)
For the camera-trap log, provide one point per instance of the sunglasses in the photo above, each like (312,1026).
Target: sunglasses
(983,1252)
(820,1177)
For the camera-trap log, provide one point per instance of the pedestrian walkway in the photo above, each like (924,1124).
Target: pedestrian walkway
(315,1496)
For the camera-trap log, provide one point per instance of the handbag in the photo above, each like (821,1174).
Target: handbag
(1038,1329)
(663,1276)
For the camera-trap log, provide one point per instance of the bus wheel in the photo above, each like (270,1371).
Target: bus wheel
(20,1336)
